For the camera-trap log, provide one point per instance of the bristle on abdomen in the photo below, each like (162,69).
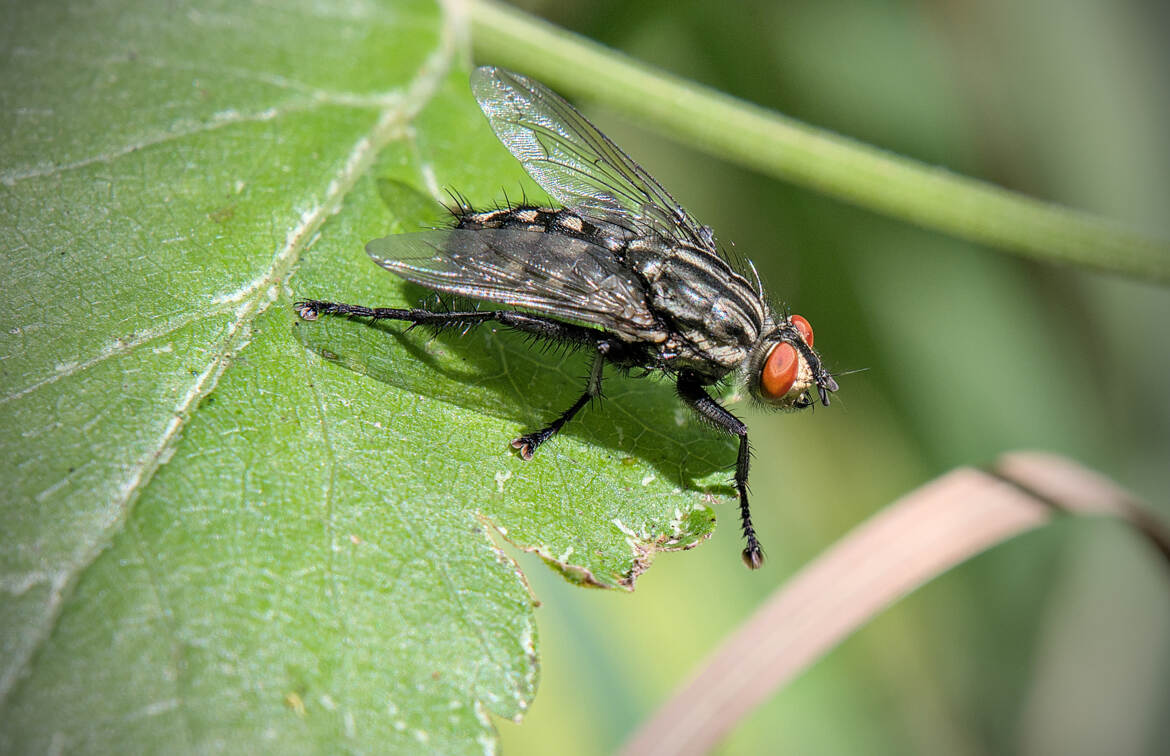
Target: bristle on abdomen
(543,219)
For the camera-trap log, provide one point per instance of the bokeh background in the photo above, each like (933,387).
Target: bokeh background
(1057,642)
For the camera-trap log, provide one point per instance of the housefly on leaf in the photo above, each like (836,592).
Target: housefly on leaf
(619,269)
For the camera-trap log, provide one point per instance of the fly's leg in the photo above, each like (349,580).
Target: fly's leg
(311,309)
(541,327)
(528,443)
(691,391)
(537,325)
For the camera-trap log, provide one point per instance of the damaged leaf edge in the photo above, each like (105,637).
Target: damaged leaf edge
(643,548)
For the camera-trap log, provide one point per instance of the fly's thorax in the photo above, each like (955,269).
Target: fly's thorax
(713,312)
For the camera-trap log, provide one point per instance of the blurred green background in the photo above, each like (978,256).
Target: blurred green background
(1058,642)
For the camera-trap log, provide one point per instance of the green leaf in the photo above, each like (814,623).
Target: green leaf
(226,529)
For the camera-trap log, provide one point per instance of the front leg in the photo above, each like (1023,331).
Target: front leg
(691,391)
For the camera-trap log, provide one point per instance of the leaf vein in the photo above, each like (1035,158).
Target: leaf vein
(253,300)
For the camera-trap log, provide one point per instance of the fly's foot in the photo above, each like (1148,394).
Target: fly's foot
(753,555)
(307,309)
(528,443)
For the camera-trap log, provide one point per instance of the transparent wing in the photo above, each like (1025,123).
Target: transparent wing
(577,164)
(544,273)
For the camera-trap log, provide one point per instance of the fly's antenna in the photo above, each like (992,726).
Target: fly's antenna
(759,283)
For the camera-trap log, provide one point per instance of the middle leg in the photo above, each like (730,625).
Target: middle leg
(528,443)
(540,326)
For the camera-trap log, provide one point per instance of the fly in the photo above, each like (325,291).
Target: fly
(620,269)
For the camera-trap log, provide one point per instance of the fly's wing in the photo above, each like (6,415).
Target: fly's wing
(577,164)
(550,274)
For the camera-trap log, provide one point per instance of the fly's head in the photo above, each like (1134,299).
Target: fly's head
(783,368)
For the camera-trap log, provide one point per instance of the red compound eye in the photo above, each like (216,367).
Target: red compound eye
(803,326)
(779,371)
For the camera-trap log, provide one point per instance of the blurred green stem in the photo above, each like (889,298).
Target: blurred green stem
(770,143)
